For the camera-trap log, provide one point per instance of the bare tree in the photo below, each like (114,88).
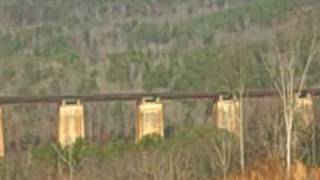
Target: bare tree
(68,160)
(287,63)
(240,66)
(68,157)
(223,153)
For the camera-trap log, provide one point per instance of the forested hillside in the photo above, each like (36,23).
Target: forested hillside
(111,46)
(108,46)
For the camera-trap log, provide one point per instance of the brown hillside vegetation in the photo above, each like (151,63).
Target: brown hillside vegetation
(273,169)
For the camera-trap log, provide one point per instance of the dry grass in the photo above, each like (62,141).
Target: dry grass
(273,169)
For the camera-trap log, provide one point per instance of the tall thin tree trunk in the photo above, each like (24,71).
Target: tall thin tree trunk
(314,145)
(70,163)
(288,147)
(90,130)
(289,119)
(242,158)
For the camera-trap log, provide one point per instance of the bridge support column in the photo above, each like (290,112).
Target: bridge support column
(71,122)
(149,118)
(226,114)
(304,108)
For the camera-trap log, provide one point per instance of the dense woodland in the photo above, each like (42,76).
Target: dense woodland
(107,46)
